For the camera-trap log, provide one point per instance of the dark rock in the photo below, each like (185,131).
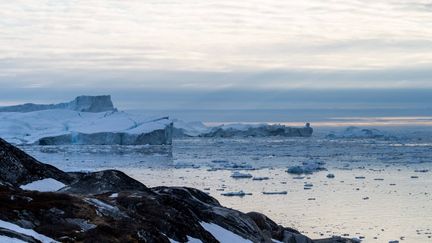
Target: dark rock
(102,182)
(18,168)
(277,232)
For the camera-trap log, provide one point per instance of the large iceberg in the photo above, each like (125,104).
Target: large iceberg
(79,123)
(198,129)
(260,130)
(82,103)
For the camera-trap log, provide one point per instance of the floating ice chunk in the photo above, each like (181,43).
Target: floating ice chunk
(44,185)
(275,193)
(239,175)
(238,194)
(306,168)
(114,195)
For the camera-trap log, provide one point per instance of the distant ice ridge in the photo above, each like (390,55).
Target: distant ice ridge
(68,126)
(197,129)
(82,103)
(357,132)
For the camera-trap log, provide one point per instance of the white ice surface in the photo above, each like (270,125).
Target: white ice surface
(29,232)
(190,240)
(27,128)
(6,239)
(223,235)
(44,185)
(193,128)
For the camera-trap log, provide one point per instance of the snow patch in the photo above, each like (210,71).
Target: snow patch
(10,240)
(28,232)
(44,185)
(223,235)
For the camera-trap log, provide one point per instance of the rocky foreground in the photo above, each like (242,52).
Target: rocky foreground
(40,203)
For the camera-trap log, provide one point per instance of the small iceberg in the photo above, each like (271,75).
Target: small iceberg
(239,175)
(275,193)
(306,168)
(236,194)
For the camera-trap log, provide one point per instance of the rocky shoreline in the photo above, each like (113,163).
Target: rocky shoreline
(109,206)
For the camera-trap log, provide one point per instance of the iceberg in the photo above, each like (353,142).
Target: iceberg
(260,130)
(357,132)
(71,125)
(198,129)
(306,168)
(82,103)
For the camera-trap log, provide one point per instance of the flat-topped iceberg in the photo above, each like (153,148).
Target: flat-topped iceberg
(63,126)
(82,103)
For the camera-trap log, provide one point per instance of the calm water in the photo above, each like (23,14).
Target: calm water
(386,205)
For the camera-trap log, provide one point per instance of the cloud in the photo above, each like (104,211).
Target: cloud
(215,45)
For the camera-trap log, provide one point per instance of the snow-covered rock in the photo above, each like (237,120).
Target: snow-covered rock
(63,126)
(82,103)
(357,132)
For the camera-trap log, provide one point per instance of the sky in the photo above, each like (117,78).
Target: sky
(176,50)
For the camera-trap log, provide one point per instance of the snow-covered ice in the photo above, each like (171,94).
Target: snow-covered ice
(28,232)
(44,185)
(223,235)
(33,127)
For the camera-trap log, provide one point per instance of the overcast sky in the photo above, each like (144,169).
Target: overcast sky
(183,46)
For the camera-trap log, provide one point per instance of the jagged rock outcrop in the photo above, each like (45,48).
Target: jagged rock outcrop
(82,103)
(109,206)
(17,167)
